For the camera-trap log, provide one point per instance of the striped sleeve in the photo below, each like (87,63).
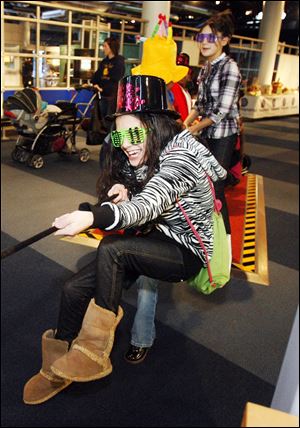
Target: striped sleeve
(178,174)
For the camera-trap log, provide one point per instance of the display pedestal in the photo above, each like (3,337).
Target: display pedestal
(256,107)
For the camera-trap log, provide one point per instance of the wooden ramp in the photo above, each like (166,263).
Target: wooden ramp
(253,261)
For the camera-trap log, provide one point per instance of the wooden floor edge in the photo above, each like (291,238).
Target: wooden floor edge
(88,242)
(261,245)
(249,276)
(261,274)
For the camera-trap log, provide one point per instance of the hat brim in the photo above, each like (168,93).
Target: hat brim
(174,74)
(172,113)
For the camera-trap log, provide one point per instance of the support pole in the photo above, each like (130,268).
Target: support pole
(151,10)
(269,31)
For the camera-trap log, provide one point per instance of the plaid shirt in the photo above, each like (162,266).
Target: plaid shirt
(218,93)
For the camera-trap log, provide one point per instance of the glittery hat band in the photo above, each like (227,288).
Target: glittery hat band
(128,96)
(142,94)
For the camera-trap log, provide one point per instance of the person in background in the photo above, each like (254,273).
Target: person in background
(27,71)
(182,102)
(234,173)
(218,95)
(143,331)
(106,78)
(158,165)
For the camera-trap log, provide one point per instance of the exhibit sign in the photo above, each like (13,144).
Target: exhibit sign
(256,107)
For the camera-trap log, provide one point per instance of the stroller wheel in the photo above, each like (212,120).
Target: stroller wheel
(16,154)
(36,161)
(24,156)
(84,155)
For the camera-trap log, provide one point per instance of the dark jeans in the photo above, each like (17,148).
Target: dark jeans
(223,149)
(120,261)
(107,107)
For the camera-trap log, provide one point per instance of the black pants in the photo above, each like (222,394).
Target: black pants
(223,149)
(107,107)
(119,262)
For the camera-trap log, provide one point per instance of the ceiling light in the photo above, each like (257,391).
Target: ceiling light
(259,16)
(56,13)
(196,9)
(248,12)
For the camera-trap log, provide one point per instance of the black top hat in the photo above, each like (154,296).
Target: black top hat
(142,94)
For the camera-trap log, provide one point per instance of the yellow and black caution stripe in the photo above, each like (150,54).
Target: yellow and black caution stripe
(248,255)
(254,258)
(90,238)
(92,233)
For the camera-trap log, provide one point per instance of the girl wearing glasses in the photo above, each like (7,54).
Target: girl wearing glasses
(154,164)
(218,95)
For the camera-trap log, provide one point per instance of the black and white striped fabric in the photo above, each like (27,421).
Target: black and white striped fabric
(184,164)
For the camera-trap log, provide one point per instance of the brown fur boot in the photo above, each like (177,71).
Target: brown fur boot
(46,384)
(88,358)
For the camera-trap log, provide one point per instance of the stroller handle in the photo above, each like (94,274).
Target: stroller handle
(83,87)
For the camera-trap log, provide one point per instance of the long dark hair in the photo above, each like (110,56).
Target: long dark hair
(114,166)
(114,44)
(223,23)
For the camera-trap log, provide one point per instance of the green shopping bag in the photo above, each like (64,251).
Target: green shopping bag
(217,272)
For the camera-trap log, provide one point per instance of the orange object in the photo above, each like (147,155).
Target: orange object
(256,415)
(236,202)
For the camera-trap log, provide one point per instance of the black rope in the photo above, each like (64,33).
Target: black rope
(35,238)
(27,242)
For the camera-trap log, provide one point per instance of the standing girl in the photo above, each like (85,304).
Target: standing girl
(217,102)
(106,78)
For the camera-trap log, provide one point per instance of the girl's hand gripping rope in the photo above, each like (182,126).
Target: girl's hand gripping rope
(73,223)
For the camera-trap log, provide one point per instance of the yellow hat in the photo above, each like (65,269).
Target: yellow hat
(159,59)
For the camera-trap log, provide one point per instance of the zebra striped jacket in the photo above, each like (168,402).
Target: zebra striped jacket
(183,169)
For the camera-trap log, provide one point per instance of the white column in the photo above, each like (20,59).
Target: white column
(151,10)
(270,31)
(286,396)
(26,34)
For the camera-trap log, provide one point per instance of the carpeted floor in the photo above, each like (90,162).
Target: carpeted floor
(181,384)
(212,353)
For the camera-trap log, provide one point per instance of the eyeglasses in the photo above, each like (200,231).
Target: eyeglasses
(210,37)
(133,135)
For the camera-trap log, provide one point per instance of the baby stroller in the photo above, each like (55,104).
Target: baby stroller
(44,129)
